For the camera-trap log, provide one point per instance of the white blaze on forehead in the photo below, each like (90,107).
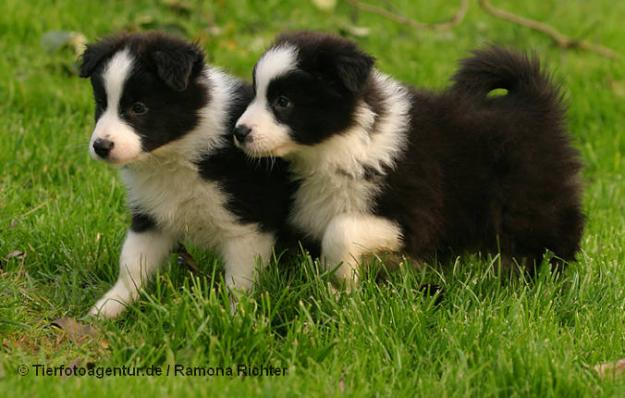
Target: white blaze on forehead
(269,137)
(115,75)
(277,61)
(126,142)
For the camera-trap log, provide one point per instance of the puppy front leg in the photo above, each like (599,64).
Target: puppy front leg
(350,236)
(241,256)
(142,253)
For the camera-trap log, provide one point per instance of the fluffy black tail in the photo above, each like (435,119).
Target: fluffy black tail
(498,68)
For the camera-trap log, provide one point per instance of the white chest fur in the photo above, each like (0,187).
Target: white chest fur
(334,173)
(183,204)
(322,196)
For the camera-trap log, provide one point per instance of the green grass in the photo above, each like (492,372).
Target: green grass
(485,336)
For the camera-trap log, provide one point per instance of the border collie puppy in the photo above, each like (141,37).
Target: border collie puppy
(385,167)
(166,118)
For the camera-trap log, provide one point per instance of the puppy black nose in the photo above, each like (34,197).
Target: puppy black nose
(102,147)
(241,132)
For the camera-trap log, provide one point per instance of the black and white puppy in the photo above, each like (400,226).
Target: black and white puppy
(167,119)
(385,167)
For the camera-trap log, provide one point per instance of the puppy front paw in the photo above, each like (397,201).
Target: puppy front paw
(347,278)
(112,304)
(107,308)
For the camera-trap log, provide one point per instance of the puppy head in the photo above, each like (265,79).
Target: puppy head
(307,86)
(147,93)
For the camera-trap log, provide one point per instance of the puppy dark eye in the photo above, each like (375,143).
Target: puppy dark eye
(282,102)
(138,108)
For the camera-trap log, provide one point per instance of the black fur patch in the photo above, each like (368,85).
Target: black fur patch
(318,109)
(170,113)
(242,96)
(141,222)
(258,188)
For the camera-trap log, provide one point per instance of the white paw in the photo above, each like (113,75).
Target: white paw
(347,277)
(234,294)
(113,303)
(107,308)
(333,291)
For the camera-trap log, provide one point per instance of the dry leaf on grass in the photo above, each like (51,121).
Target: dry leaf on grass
(74,330)
(15,254)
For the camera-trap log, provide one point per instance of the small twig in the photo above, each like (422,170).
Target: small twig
(186,259)
(439,26)
(558,38)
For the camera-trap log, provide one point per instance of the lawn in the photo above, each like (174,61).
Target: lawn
(63,218)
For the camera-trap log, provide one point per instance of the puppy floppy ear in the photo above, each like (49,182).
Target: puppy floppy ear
(95,53)
(178,64)
(353,68)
